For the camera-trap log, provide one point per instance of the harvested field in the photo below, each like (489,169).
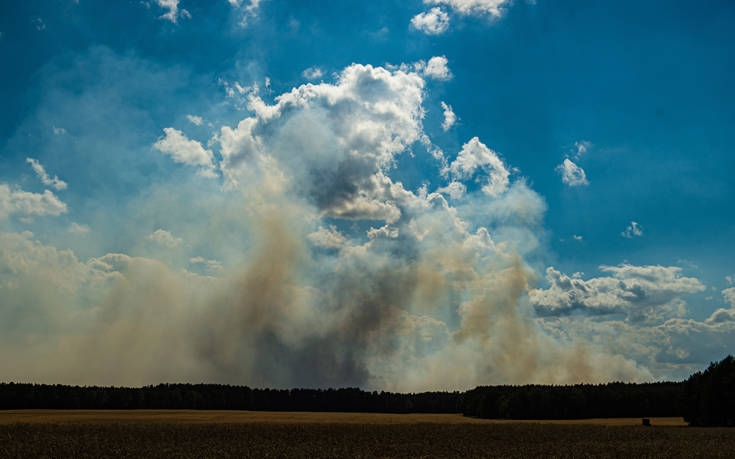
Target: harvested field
(258,434)
(280,417)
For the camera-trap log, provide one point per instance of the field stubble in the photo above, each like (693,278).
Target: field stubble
(243,434)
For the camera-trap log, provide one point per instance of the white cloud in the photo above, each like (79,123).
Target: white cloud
(172,14)
(196,120)
(633,230)
(249,11)
(433,22)
(642,293)
(449,117)
(315,152)
(21,256)
(29,204)
(186,151)
(45,179)
(165,238)
(724,314)
(454,190)
(729,294)
(312,73)
(571,174)
(329,238)
(79,229)
(346,133)
(386,232)
(437,68)
(670,350)
(491,7)
(436,20)
(477,156)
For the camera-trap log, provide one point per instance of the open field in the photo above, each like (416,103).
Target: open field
(279,417)
(259,434)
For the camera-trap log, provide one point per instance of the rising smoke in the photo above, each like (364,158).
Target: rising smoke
(417,290)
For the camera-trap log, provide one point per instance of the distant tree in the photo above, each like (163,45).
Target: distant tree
(709,396)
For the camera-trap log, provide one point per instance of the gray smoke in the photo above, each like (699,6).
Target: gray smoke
(419,293)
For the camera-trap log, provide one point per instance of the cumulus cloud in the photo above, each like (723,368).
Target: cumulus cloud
(329,238)
(312,73)
(432,296)
(477,157)
(672,349)
(454,190)
(186,151)
(490,7)
(24,203)
(436,20)
(385,231)
(729,294)
(633,230)
(641,293)
(433,22)
(724,314)
(172,10)
(347,134)
(45,179)
(449,117)
(571,174)
(165,238)
(437,68)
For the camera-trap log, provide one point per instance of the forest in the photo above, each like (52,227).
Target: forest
(706,398)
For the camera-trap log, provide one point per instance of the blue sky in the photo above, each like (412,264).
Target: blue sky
(365,193)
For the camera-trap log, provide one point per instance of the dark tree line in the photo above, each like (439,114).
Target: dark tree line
(222,397)
(511,402)
(706,398)
(613,400)
(709,396)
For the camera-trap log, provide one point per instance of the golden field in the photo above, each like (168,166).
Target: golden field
(163,433)
(279,417)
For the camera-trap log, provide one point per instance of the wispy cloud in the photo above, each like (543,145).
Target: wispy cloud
(312,73)
(45,178)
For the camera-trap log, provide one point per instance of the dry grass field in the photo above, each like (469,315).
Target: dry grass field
(265,434)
